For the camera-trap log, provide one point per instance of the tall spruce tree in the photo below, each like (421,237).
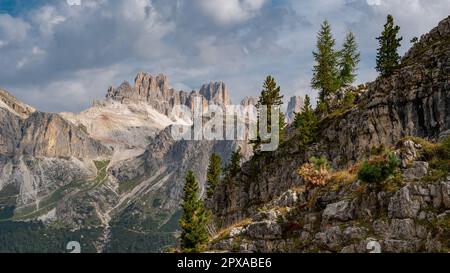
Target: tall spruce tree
(193,221)
(270,96)
(349,58)
(326,70)
(306,123)
(388,58)
(234,166)
(213,174)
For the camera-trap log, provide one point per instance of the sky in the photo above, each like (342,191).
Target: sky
(60,55)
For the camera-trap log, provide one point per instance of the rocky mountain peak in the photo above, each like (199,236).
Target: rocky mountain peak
(11,103)
(156,91)
(247,101)
(216,93)
(295,106)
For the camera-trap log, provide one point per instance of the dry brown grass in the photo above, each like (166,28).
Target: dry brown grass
(225,233)
(314,176)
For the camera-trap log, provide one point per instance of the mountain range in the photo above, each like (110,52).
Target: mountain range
(113,168)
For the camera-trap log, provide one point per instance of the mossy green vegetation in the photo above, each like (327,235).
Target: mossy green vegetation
(378,169)
(102,173)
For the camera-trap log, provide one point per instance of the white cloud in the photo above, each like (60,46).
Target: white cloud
(73,2)
(71,54)
(12,30)
(230,11)
(46,19)
(79,89)
(414,16)
(37,51)
(374,2)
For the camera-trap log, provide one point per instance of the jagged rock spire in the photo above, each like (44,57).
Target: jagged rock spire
(156,91)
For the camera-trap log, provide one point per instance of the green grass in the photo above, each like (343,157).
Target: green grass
(102,174)
(129,185)
(58,194)
(33,214)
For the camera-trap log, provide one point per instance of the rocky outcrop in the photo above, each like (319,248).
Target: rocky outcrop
(295,106)
(348,218)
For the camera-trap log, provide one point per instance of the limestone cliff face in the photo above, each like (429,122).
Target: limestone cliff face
(49,135)
(413,101)
(12,114)
(27,132)
(9,132)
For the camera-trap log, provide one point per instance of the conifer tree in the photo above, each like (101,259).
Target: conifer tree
(270,96)
(349,58)
(325,71)
(306,123)
(388,58)
(193,221)
(213,174)
(234,166)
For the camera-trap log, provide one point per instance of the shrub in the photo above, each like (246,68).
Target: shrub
(379,150)
(348,100)
(379,169)
(316,172)
(320,162)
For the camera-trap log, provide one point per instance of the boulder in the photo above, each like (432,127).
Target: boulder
(418,170)
(267,230)
(340,211)
(404,205)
